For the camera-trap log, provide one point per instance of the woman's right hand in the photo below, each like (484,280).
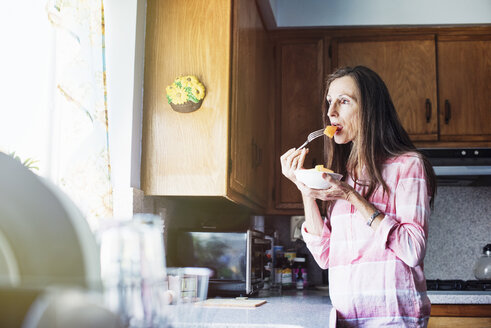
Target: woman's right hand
(292,160)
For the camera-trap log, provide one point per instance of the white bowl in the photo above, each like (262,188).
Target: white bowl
(313,178)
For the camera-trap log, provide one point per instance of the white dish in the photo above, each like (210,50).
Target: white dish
(313,178)
(44,239)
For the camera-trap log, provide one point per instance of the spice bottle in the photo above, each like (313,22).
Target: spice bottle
(300,272)
(286,274)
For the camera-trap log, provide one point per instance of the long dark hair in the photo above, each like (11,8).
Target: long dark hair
(380,136)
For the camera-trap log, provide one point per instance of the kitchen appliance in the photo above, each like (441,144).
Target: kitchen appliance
(237,258)
(482,269)
(460,166)
(460,285)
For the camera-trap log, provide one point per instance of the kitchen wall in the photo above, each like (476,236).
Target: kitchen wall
(195,212)
(459,227)
(294,13)
(125,45)
(281,224)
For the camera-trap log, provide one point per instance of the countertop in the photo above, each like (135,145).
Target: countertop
(297,309)
(459,297)
(291,309)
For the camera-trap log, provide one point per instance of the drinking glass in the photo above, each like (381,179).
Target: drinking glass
(133,269)
(188,287)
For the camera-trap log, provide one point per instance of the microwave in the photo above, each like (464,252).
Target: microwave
(237,259)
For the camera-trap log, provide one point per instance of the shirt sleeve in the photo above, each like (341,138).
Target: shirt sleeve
(405,233)
(319,245)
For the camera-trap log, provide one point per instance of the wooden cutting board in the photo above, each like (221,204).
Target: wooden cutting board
(232,302)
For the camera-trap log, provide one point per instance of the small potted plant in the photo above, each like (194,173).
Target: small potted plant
(185,94)
(30,163)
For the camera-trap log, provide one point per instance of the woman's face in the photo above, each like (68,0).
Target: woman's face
(343,98)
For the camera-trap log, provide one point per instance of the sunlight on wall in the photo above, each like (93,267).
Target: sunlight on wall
(25,62)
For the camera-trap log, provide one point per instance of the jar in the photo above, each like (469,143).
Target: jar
(482,269)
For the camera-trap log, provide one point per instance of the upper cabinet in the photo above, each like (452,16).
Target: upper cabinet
(300,86)
(439,80)
(252,105)
(408,67)
(464,79)
(414,67)
(219,149)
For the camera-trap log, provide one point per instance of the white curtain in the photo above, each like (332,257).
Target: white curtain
(79,151)
(53,109)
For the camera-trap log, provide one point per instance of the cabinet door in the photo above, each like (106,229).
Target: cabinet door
(186,154)
(464,75)
(408,67)
(301,73)
(252,104)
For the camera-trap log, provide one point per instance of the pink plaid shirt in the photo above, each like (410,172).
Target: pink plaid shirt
(376,278)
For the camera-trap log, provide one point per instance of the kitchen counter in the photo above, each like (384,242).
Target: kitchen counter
(291,309)
(297,309)
(459,297)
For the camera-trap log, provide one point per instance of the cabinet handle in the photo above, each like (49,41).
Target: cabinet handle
(259,156)
(253,153)
(428,110)
(448,113)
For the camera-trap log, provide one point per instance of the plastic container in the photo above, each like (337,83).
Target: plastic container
(482,269)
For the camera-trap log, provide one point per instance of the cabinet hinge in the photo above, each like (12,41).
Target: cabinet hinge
(329,51)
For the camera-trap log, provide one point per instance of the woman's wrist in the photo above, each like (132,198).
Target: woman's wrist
(354,197)
(369,212)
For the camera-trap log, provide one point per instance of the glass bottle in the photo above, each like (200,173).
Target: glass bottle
(300,272)
(482,269)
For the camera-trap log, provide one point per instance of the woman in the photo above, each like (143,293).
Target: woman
(373,239)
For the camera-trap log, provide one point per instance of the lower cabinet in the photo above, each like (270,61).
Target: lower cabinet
(460,316)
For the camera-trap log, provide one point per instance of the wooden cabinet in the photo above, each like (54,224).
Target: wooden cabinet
(414,67)
(460,316)
(222,148)
(439,79)
(408,67)
(300,81)
(252,105)
(464,80)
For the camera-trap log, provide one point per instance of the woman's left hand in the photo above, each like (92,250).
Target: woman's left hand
(337,190)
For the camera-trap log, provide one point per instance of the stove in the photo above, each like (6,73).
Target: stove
(466,285)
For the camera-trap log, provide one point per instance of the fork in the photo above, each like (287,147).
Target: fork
(313,135)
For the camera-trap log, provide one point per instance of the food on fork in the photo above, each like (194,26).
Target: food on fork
(321,168)
(330,130)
